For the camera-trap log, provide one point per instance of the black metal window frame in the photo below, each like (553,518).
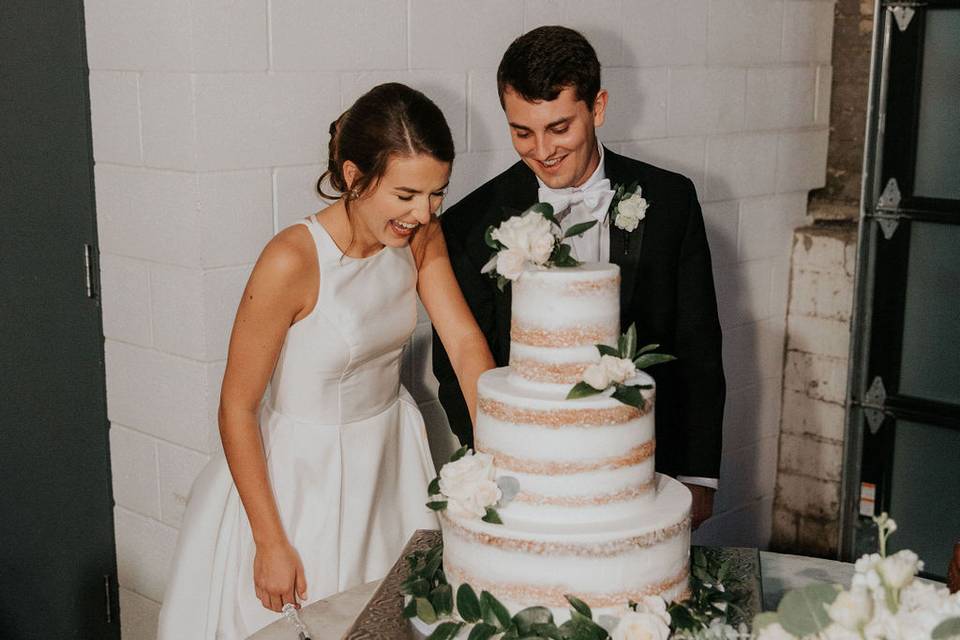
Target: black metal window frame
(883,252)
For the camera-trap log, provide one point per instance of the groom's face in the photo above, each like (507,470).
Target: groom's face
(556,138)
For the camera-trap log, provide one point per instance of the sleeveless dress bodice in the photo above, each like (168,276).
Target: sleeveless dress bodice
(346,450)
(341,363)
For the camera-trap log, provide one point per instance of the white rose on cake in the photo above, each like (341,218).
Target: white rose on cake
(510,263)
(636,625)
(630,211)
(468,485)
(898,570)
(521,233)
(610,370)
(852,609)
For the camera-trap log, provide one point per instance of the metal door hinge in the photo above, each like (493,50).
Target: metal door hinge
(873,405)
(889,200)
(106,588)
(89,262)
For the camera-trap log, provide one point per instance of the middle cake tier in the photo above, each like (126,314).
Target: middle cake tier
(588,460)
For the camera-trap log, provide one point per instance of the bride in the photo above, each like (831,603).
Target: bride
(323,477)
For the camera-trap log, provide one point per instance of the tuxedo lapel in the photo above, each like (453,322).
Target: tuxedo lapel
(624,246)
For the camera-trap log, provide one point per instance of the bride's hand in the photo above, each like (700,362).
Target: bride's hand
(278,576)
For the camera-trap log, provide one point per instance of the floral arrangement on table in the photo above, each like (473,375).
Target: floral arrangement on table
(709,613)
(531,238)
(616,367)
(883,602)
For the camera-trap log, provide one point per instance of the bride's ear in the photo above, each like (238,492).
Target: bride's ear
(351,173)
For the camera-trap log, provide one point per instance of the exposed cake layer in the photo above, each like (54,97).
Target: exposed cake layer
(557,318)
(586,460)
(525,564)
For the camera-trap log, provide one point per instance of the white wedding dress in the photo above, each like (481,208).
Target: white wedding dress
(346,452)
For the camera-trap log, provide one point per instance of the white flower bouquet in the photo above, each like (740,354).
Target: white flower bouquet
(466,487)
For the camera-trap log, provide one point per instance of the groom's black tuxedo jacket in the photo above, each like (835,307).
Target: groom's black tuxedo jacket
(666,290)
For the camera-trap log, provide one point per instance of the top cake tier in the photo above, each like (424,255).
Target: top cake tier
(558,317)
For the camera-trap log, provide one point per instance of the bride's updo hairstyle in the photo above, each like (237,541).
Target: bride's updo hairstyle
(389,120)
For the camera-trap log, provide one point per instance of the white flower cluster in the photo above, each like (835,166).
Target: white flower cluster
(630,211)
(468,485)
(528,239)
(650,621)
(609,370)
(884,601)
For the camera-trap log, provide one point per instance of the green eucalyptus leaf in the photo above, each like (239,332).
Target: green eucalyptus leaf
(577,229)
(949,629)
(468,606)
(764,619)
(502,282)
(681,617)
(459,453)
(511,634)
(580,627)
(546,630)
(526,618)
(493,611)
(434,487)
(425,611)
(560,253)
(446,631)
(582,390)
(607,350)
(699,557)
(496,245)
(546,210)
(420,588)
(630,395)
(432,565)
(650,359)
(437,505)
(629,347)
(568,261)
(803,611)
(579,606)
(492,516)
(482,631)
(649,347)
(442,600)
(410,610)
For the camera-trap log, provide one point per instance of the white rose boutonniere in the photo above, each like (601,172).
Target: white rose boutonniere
(466,487)
(628,207)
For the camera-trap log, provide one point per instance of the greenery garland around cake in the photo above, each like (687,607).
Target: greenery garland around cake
(884,602)
(531,238)
(615,369)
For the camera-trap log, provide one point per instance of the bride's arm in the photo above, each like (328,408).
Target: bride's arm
(451,317)
(276,294)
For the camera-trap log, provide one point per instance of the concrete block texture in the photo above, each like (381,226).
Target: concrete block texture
(744,32)
(767,224)
(637,108)
(115,117)
(159,394)
(819,377)
(747,474)
(722,221)
(806,416)
(781,97)
(743,292)
(807,31)
(802,160)
(295,193)
(664,32)
(825,249)
(752,414)
(139,616)
(748,526)
(706,100)
(807,495)
(486,122)
(179,35)
(818,335)
(125,287)
(685,155)
(178,468)
(740,165)
(437,33)
(811,456)
(133,458)
(168,117)
(821,294)
(144,550)
(312,35)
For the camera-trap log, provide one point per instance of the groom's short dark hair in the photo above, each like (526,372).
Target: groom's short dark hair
(541,63)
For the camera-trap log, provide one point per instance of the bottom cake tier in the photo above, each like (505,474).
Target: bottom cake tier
(526,564)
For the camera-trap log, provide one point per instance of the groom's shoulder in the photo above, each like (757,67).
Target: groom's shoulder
(483,206)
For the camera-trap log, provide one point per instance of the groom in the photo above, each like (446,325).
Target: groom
(549,86)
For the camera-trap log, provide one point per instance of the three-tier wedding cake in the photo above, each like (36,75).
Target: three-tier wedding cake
(583,512)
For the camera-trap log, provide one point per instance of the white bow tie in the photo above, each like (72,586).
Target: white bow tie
(594,200)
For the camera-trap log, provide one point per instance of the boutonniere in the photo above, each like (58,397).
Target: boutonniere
(628,207)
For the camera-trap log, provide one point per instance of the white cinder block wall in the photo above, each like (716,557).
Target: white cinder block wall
(210,127)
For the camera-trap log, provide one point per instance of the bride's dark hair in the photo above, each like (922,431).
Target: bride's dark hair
(388,120)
